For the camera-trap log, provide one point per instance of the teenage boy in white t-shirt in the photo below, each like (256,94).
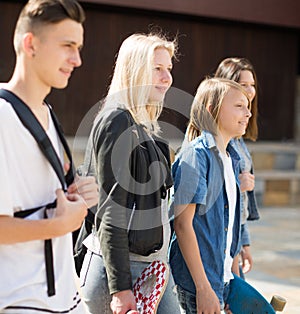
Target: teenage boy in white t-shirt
(47,40)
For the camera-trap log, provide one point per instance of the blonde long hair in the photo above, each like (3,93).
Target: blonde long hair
(132,78)
(210,93)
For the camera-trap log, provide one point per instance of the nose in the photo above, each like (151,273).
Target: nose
(250,91)
(76,59)
(248,113)
(167,77)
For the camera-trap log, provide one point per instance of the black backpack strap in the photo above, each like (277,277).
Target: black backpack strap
(27,212)
(69,177)
(33,125)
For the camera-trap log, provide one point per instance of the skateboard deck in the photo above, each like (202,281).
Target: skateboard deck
(150,286)
(245,299)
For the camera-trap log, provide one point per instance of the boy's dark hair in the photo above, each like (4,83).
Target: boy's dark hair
(42,12)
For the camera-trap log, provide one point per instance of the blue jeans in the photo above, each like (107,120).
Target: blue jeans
(187,300)
(95,292)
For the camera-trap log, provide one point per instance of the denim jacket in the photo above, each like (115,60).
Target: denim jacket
(252,214)
(252,204)
(199,179)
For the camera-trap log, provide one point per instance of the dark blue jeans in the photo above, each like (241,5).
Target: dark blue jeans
(187,300)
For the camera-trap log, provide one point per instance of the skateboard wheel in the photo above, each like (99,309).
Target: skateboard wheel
(278,303)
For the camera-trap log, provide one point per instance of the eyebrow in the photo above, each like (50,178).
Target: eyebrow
(170,65)
(242,81)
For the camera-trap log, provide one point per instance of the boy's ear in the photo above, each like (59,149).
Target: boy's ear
(28,44)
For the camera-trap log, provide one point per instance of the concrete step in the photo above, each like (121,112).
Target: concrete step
(277,173)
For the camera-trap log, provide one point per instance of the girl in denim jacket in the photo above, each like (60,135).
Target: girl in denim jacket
(206,242)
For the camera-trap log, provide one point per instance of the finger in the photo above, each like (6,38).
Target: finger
(66,166)
(60,197)
(74,187)
(80,182)
(60,194)
(74,197)
(85,180)
(246,266)
(85,187)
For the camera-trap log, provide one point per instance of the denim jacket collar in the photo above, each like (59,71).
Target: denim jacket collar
(210,142)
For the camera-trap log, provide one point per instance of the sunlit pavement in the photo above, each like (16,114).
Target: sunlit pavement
(276,253)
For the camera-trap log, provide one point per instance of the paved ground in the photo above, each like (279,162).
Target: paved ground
(276,253)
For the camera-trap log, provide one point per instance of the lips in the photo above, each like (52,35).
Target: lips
(67,72)
(162,89)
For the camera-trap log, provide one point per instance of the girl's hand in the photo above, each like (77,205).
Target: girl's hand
(247,181)
(207,302)
(87,188)
(246,259)
(123,302)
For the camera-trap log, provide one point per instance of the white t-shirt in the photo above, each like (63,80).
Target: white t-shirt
(27,180)
(230,185)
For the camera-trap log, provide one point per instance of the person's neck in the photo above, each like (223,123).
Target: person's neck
(33,94)
(28,88)
(222,142)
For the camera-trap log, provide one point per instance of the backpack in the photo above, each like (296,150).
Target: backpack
(33,125)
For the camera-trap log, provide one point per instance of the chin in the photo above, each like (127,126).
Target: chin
(157,97)
(61,85)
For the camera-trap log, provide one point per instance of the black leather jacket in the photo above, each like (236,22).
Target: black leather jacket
(133,172)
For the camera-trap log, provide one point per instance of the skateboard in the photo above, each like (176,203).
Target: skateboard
(245,299)
(150,286)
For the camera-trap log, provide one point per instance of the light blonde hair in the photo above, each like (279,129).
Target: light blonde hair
(132,79)
(210,94)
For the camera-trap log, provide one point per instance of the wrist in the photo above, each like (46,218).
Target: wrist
(121,293)
(203,286)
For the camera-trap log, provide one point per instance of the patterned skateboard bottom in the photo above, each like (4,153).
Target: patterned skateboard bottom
(150,286)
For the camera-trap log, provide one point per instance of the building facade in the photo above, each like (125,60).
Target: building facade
(267,32)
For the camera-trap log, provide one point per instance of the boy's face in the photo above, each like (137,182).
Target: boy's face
(57,52)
